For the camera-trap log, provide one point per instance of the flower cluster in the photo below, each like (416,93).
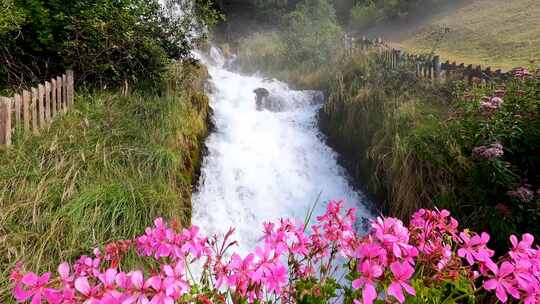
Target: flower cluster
(522,193)
(489,152)
(293,262)
(521,73)
(488,105)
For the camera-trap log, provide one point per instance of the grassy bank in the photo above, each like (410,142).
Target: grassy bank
(102,172)
(420,145)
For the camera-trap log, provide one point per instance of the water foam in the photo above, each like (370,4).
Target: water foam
(264,165)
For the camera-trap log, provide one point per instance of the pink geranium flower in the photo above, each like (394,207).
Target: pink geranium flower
(34,287)
(474,249)
(522,249)
(90,293)
(503,282)
(160,287)
(402,273)
(369,272)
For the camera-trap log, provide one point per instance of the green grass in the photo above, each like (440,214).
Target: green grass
(100,173)
(498,33)
(412,143)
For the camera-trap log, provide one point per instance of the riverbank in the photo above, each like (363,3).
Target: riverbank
(102,172)
(412,142)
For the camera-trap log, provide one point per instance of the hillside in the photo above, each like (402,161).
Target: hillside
(498,33)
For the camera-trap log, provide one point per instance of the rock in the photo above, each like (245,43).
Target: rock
(261,95)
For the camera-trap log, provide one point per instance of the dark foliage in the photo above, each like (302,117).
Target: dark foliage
(105,41)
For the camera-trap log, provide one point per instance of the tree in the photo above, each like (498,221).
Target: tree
(311,33)
(105,41)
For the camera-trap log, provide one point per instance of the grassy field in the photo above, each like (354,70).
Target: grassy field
(101,173)
(498,33)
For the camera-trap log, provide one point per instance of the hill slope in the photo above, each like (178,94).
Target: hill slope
(498,33)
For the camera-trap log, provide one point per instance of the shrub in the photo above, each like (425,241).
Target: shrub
(364,16)
(311,33)
(106,42)
(430,261)
(262,52)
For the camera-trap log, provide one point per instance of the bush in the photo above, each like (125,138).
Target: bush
(262,52)
(311,34)
(106,42)
(364,16)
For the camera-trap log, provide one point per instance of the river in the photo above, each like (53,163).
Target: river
(264,165)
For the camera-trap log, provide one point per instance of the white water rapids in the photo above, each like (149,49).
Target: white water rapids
(263,165)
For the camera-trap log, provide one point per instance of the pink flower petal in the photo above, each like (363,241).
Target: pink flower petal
(395,290)
(30,279)
(82,286)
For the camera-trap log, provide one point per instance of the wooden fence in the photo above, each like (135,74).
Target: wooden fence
(429,67)
(33,110)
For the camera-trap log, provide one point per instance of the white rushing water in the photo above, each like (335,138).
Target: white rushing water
(264,165)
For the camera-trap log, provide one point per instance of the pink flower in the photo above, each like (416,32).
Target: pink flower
(176,285)
(489,153)
(160,287)
(475,248)
(35,287)
(402,273)
(524,194)
(522,249)
(90,294)
(136,286)
(503,282)
(490,105)
(521,73)
(276,278)
(369,272)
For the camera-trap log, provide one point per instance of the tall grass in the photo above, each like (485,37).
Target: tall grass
(100,173)
(412,143)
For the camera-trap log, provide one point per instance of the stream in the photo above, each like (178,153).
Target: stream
(262,165)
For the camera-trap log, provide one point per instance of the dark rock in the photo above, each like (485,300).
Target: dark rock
(262,94)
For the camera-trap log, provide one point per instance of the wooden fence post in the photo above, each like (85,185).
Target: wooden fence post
(5,122)
(41,105)
(59,103)
(468,73)
(437,67)
(26,110)
(64,93)
(17,103)
(48,103)
(53,98)
(34,109)
(71,82)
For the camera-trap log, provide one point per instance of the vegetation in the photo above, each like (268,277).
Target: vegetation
(102,172)
(304,45)
(106,42)
(472,150)
(430,261)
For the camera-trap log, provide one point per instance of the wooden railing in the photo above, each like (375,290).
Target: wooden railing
(33,110)
(430,67)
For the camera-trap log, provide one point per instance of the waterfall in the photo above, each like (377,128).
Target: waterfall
(264,165)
